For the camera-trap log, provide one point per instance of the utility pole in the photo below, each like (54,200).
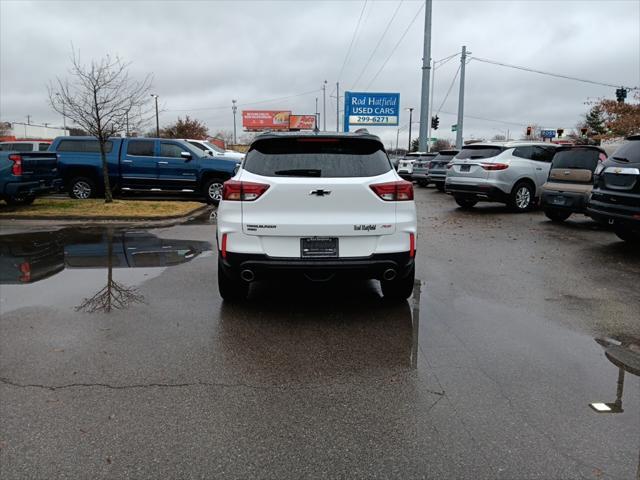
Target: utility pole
(317,115)
(337,106)
(127,124)
(410,121)
(463,62)
(324,106)
(433,87)
(157,118)
(28,119)
(397,139)
(234,109)
(426,74)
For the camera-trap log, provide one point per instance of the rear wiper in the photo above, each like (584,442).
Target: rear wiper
(300,172)
(621,159)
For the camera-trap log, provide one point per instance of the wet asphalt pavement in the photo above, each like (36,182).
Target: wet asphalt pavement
(515,327)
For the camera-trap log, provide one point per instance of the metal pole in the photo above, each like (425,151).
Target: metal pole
(397,139)
(426,74)
(234,109)
(157,118)
(337,106)
(433,87)
(410,117)
(127,123)
(324,106)
(463,62)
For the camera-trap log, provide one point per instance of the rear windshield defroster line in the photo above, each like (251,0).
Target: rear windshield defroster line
(323,157)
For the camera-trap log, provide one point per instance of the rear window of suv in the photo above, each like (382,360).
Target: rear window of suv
(478,152)
(628,153)
(581,158)
(317,157)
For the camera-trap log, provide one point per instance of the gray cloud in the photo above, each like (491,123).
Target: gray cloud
(204,53)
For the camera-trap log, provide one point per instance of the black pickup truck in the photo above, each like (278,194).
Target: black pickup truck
(24,175)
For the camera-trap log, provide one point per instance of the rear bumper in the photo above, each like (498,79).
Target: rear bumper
(484,192)
(614,214)
(35,187)
(567,201)
(406,175)
(264,266)
(437,177)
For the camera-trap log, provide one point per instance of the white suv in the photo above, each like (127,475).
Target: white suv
(506,172)
(316,205)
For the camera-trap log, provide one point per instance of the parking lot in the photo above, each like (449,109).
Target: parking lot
(488,371)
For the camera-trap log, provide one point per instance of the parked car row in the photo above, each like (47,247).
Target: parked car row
(561,179)
(149,165)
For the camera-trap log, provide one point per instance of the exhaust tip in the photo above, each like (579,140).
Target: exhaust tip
(389,274)
(247,275)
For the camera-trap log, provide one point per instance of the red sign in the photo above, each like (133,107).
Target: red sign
(302,122)
(255,120)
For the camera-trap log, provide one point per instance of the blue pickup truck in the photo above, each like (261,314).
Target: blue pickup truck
(23,175)
(150,165)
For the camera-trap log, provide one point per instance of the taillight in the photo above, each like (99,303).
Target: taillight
(412,245)
(494,166)
(243,191)
(25,269)
(17,164)
(394,191)
(223,247)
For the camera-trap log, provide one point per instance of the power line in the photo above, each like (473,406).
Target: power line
(245,104)
(375,49)
(396,46)
(353,39)
(450,88)
(557,75)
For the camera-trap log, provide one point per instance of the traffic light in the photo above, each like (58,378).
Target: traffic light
(584,131)
(560,131)
(435,122)
(528,131)
(621,94)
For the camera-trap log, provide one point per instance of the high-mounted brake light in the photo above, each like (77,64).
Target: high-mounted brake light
(234,190)
(16,169)
(318,140)
(494,166)
(394,191)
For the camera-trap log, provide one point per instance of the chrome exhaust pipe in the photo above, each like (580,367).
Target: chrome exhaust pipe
(389,274)
(247,275)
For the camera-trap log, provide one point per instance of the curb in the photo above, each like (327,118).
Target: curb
(125,221)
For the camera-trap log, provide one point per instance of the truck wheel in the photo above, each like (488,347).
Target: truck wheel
(26,200)
(399,289)
(231,290)
(464,202)
(522,197)
(213,190)
(82,188)
(557,215)
(440,187)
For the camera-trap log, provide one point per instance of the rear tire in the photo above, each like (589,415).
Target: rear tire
(399,289)
(423,183)
(522,197)
(440,187)
(82,188)
(212,190)
(465,203)
(557,215)
(231,290)
(628,235)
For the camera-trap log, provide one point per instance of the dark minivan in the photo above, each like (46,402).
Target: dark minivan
(615,199)
(570,181)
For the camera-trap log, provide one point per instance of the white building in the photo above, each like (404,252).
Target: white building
(24,131)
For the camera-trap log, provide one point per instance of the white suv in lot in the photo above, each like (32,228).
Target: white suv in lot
(505,172)
(317,205)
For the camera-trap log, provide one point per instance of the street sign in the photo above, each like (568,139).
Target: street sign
(365,108)
(433,139)
(454,128)
(547,133)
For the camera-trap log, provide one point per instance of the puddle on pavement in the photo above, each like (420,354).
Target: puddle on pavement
(209,217)
(97,268)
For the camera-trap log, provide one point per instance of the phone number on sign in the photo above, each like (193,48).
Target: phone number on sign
(368,120)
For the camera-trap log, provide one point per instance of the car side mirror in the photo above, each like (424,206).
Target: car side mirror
(235,170)
(186,156)
(209,152)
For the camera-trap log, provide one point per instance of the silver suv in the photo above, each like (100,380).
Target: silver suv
(505,172)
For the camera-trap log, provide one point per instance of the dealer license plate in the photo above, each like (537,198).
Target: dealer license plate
(319,247)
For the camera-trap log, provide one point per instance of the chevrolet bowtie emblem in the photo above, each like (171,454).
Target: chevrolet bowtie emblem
(617,170)
(320,192)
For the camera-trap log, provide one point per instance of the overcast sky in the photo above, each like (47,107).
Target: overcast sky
(204,53)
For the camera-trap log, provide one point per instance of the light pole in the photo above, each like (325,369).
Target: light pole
(64,116)
(324,106)
(317,114)
(157,118)
(410,121)
(234,109)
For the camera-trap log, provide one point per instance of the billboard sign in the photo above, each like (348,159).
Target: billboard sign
(257,120)
(547,133)
(302,122)
(365,108)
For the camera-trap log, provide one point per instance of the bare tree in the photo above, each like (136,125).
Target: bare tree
(101,99)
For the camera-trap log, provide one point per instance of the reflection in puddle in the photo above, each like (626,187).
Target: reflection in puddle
(32,257)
